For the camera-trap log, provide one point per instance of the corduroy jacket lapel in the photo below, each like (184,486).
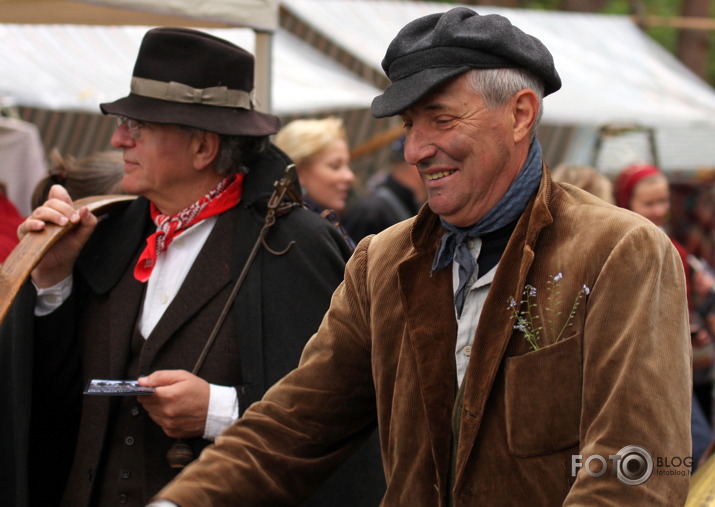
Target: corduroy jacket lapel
(425,295)
(495,324)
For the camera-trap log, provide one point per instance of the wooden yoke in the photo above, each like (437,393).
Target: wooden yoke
(34,245)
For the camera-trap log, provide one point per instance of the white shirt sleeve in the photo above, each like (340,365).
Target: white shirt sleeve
(51,298)
(223,410)
(162,503)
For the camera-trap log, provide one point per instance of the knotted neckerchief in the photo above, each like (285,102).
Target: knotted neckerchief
(223,197)
(453,245)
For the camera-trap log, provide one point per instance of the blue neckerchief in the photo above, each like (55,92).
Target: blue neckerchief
(453,245)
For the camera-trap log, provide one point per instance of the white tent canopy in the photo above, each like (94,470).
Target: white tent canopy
(611,71)
(261,15)
(75,67)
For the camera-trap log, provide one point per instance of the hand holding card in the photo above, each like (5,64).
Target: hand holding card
(116,388)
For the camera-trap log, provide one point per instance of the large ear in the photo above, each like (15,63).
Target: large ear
(205,147)
(525,110)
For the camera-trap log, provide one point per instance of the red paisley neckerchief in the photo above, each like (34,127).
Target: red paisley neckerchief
(225,196)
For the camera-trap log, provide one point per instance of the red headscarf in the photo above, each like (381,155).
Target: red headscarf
(628,179)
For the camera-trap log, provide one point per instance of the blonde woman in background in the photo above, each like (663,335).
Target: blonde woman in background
(586,178)
(319,148)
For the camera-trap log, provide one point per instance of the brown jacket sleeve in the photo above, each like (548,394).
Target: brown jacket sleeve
(277,453)
(636,377)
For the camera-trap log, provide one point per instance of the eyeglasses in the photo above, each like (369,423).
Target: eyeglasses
(133,126)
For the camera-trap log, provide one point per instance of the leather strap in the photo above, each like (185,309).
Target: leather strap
(281,202)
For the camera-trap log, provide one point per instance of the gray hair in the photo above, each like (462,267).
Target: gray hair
(235,152)
(497,86)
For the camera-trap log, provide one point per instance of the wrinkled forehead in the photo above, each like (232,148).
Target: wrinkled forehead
(455,96)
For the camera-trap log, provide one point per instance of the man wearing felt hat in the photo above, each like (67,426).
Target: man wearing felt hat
(139,294)
(507,341)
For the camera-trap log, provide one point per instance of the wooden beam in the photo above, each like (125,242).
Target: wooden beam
(680,22)
(80,13)
(382,138)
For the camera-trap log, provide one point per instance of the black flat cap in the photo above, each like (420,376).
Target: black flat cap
(433,49)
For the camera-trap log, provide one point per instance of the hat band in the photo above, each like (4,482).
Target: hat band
(440,57)
(177,92)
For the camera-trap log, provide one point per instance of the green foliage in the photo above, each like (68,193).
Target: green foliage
(546,5)
(665,36)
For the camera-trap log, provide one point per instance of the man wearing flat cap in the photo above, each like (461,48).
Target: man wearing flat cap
(168,290)
(516,343)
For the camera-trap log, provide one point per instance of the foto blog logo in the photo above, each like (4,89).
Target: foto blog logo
(632,465)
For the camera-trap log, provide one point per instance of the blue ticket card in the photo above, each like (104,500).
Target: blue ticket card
(116,388)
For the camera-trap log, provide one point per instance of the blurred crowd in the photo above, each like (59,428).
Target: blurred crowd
(319,147)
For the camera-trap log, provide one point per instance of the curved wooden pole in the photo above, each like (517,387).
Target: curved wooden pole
(34,245)
(382,138)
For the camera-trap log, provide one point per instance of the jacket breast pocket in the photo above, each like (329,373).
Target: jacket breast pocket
(543,399)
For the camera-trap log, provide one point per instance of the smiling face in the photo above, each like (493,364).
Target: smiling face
(651,199)
(326,176)
(468,155)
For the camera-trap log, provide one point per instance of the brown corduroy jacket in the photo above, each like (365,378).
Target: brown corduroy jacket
(385,353)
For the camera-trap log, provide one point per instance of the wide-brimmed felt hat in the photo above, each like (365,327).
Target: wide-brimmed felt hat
(435,48)
(187,77)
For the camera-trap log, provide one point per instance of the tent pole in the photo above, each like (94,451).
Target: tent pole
(263,78)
